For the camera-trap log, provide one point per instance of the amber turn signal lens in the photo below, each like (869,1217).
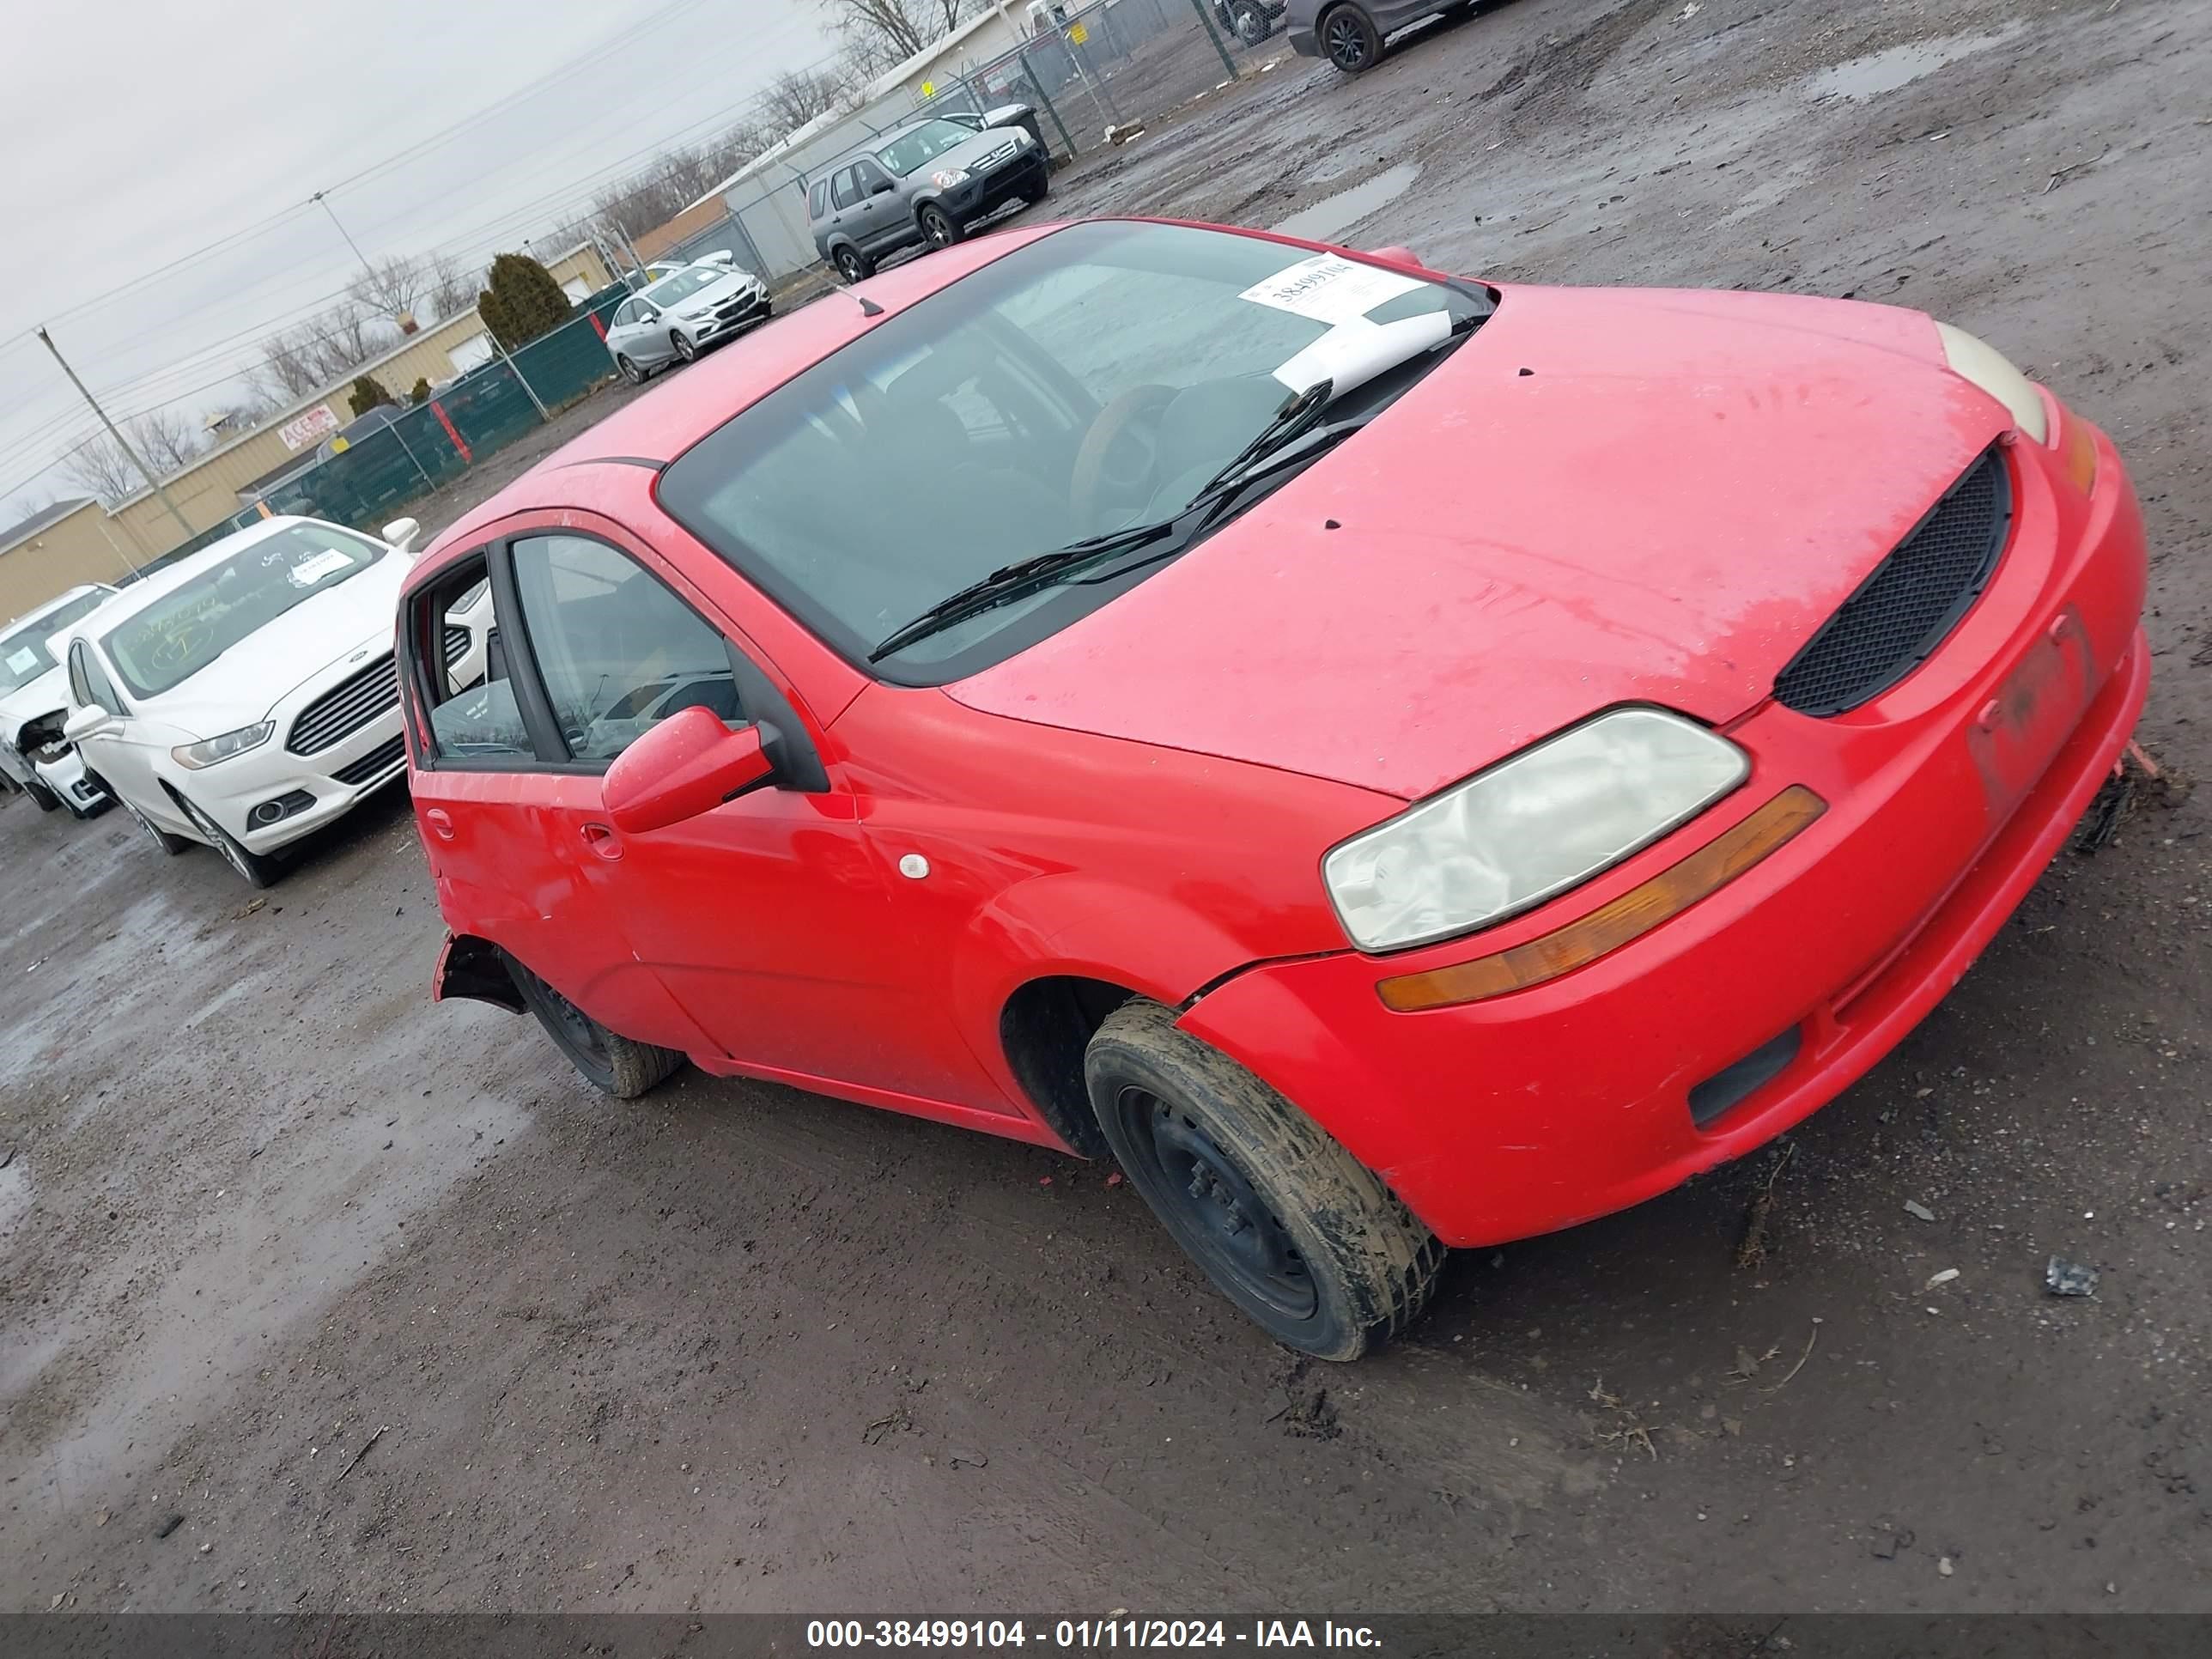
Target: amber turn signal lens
(2077,452)
(1612,925)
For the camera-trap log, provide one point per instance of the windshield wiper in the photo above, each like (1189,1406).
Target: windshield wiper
(1010,582)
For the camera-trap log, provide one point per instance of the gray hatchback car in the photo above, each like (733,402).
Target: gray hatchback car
(1349,32)
(920,185)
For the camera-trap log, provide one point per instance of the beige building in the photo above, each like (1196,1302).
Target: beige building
(87,544)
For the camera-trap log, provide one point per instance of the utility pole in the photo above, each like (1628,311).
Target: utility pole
(122,442)
(317,199)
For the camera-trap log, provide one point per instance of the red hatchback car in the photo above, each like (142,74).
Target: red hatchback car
(1398,762)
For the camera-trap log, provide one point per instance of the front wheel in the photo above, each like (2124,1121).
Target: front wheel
(610,1063)
(255,869)
(1350,39)
(631,370)
(1252,23)
(938,229)
(680,343)
(37,791)
(1287,1224)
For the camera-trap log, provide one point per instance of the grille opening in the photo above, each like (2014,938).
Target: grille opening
(382,759)
(1897,616)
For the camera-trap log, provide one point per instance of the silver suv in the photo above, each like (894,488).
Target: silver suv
(923,184)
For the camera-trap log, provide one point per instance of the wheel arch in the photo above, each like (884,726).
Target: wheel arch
(472,968)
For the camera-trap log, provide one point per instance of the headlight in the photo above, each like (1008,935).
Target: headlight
(1545,820)
(208,750)
(1986,367)
(949,177)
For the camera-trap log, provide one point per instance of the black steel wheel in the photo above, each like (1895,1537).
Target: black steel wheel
(609,1062)
(939,228)
(256,870)
(680,343)
(1350,39)
(1286,1224)
(852,265)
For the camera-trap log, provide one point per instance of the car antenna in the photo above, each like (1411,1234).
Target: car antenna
(868,307)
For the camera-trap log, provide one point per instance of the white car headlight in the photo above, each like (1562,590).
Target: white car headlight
(1545,820)
(949,177)
(208,750)
(1987,368)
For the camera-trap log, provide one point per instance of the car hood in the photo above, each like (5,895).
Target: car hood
(1604,496)
(729,288)
(42,695)
(325,630)
(969,151)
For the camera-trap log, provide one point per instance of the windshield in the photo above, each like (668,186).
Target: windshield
(923,143)
(683,285)
(1095,379)
(182,631)
(23,654)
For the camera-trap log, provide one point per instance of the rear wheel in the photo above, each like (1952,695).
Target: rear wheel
(1287,1224)
(631,370)
(852,265)
(610,1062)
(255,869)
(939,228)
(1350,40)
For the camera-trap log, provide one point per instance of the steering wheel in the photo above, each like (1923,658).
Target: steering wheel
(1119,454)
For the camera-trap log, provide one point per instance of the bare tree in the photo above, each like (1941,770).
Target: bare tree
(320,351)
(797,96)
(391,288)
(99,467)
(166,440)
(881,34)
(448,288)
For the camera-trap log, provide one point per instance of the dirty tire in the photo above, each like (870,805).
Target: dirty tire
(631,370)
(613,1064)
(1332,1265)
(169,845)
(854,265)
(1350,39)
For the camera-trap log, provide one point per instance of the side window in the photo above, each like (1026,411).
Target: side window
(845,189)
(818,199)
(80,693)
(618,651)
(473,713)
(626,311)
(866,175)
(98,689)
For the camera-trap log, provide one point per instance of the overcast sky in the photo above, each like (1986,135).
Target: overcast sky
(134,132)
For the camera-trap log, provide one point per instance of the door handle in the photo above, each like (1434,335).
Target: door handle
(440,823)
(600,838)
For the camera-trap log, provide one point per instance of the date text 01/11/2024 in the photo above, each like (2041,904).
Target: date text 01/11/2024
(1085,1633)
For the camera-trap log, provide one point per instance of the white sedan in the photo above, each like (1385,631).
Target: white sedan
(248,695)
(684,314)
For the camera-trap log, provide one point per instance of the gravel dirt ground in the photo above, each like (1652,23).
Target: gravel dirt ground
(738,1348)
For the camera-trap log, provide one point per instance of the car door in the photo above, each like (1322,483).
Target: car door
(848,214)
(496,809)
(622,332)
(122,750)
(768,918)
(881,211)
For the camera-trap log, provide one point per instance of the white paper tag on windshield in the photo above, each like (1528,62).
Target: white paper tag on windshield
(23,661)
(1329,288)
(316,565)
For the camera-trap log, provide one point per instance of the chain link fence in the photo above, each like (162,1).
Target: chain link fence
(432,443)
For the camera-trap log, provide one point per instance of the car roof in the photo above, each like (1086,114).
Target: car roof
(657,427)
(37,612)
(170,577)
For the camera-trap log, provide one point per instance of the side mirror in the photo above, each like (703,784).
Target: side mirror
(1397,256)
(83,722)
(688,764)
(401,534)
(881,187)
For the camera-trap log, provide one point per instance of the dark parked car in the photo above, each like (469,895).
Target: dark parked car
(1350,32)
(920,185)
